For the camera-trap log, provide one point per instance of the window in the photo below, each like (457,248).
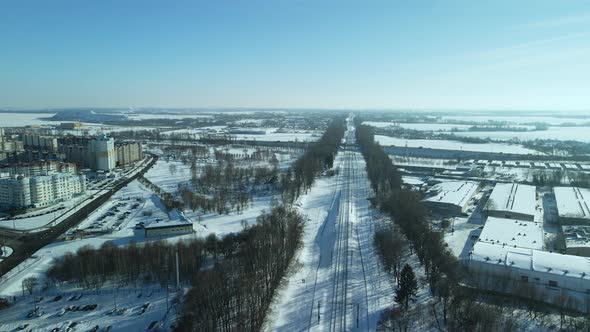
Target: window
(524,278)
(552,283)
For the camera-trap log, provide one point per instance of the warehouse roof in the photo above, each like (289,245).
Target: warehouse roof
(572,202)
(513,233)
(452,192)
(532,260)
(513,197)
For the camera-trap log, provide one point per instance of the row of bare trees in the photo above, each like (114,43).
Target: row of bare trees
(236,293)
(318,157)
(91,267)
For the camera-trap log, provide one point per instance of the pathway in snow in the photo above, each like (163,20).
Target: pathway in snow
(339,284)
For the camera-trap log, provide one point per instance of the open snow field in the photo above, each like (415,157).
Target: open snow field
(454,145)
(168,174)
(556,133)
(25,119)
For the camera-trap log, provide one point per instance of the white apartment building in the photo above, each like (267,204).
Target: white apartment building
(20,192)
(103,150)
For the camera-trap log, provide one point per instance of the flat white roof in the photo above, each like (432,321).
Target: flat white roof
(572,202)
(586,167)
(532,260)
(513,197)
(453,192)
(510,232)
(176,219)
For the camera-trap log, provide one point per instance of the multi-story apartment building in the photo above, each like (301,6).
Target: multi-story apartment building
(128,153)
(22,192)
(97,153)
(38,168)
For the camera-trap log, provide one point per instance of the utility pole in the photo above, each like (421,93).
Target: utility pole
(318,311)
(358,309)
(177,272)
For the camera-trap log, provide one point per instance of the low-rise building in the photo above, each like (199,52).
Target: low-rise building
(572,205)
(179,225)
(512,233)
(554,277)
(450,197)
(577,240)
(512,200)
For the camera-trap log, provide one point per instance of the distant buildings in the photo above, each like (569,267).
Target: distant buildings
(512,200)
(96,153)
(22,192)
(451,197)
(572,205)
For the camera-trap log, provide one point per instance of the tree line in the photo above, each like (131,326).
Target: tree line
(149,262)
(236,292)
(317,158)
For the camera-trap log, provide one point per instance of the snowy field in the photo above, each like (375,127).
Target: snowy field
(168,174)
(454,145)
(168,116)
(25,119)
(557,133)
(550,120)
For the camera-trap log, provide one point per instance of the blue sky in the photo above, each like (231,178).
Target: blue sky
(296,54)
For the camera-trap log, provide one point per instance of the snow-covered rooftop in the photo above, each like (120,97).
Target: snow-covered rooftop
(572,202)
(513,233)
(176,219)
(453,192)
(576,236)
(532,260)
(513,197)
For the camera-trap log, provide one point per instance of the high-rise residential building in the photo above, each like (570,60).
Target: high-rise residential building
(97,153)
(128,153)
(102,149)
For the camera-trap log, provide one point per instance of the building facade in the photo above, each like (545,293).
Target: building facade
(22,192)
(39,168)
(128,153)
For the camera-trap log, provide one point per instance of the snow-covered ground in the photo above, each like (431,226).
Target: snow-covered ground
(53,311)
(454,145)
(337,269)
(5,251)
(168,174)
(557,133)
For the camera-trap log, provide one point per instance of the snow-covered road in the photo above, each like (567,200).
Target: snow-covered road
(338,283)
